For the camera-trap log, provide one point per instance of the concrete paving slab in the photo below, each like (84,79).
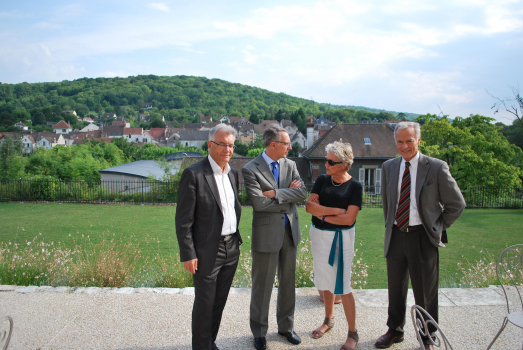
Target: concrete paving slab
(28,289)
(7,288)
(473,296)
(140,321)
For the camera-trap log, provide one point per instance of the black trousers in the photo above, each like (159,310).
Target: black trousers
(211,293)
(411,254)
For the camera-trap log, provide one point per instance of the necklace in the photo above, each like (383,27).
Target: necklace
(334,183)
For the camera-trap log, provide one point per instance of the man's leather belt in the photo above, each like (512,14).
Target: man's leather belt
(226,238)
(412,228)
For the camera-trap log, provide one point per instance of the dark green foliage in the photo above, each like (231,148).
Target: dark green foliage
(294,152)
(177,98)
(241,148)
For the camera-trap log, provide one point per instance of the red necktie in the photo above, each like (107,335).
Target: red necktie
(403,212)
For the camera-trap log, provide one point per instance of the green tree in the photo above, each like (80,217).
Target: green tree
(253,118)
(241,148)
(255,152)
(476,152)
(12,163)
(295,151)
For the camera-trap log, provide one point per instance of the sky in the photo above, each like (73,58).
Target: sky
(445,56)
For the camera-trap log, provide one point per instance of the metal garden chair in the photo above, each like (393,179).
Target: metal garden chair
(509,270)
(421,321)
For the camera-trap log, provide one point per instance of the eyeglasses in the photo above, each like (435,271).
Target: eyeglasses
(331,162)
(287,144)
(222,145)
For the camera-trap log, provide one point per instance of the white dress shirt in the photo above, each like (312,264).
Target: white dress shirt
(227,199)
(414,218)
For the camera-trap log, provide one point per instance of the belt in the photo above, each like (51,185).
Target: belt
(411,228)
(226,238)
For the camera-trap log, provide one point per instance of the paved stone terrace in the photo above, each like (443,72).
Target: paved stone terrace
(159,318)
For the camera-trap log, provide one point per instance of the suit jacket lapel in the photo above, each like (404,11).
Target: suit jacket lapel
(394,178)
(264,169)
(423,170)
(237,204)
(283,173)
(211,181)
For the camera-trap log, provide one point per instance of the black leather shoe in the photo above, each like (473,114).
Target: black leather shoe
(214,347)
(260,343)
(387,339)
(292,337)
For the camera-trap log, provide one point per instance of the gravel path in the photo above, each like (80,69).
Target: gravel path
(127,318)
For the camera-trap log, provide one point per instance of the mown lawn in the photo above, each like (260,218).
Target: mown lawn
(487,230)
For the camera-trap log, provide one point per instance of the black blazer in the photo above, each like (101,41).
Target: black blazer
(199,217)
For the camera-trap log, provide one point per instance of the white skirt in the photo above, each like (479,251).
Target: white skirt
(324,274)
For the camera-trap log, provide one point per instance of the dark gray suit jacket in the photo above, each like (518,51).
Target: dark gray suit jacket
(199,217)
(440,202)
(268,228)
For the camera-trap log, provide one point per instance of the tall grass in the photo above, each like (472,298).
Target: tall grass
(114,262)
(482,272)
(108,263)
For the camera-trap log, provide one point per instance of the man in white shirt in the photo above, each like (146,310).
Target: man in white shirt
(207,219)
(420,201)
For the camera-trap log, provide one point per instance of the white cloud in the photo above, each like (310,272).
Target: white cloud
(46,25)
(159,6)
(46,50)
(249,57)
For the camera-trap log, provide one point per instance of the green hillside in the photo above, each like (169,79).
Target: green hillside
(178,98)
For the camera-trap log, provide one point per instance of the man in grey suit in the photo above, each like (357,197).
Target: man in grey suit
(207,221)
(274,185)
(415,226)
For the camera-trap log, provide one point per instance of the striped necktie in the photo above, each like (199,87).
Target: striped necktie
(403,212)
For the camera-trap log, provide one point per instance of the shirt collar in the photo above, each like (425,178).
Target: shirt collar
(413,162)
(216,168)
(268,159)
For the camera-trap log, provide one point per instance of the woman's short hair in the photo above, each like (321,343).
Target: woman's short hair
(342,151)
(229,130)
(405,125)
(272,133)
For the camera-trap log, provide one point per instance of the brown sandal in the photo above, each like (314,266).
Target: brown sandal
(317,333)
(352,335)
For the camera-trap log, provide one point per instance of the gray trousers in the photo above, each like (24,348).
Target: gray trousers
(263,272)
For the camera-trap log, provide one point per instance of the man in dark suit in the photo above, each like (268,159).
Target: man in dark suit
(420,201)
(274,185)
(207,219)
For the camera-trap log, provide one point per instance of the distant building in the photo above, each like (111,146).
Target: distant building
(90,127)
(22,126)
(147,105)
(70,112)
(62,127)
(372,145)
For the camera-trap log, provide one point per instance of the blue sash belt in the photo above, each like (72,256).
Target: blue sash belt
(338,236)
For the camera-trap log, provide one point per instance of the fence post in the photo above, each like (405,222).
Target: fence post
(20,189)
(60,196)
(142,193)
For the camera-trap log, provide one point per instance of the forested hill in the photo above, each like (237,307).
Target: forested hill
(177,98)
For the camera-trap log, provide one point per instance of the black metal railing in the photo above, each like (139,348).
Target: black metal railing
(147,191)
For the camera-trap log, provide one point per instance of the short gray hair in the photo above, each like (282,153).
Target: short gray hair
(272,133)
(405,125)
(342,151)
(229,130)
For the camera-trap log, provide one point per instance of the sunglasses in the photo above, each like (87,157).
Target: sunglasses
(332,162)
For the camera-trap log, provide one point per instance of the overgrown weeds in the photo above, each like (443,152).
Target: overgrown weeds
(482,273)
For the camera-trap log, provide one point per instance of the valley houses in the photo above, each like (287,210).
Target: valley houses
(372,143)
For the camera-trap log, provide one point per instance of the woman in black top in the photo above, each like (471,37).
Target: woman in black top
(334,203)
